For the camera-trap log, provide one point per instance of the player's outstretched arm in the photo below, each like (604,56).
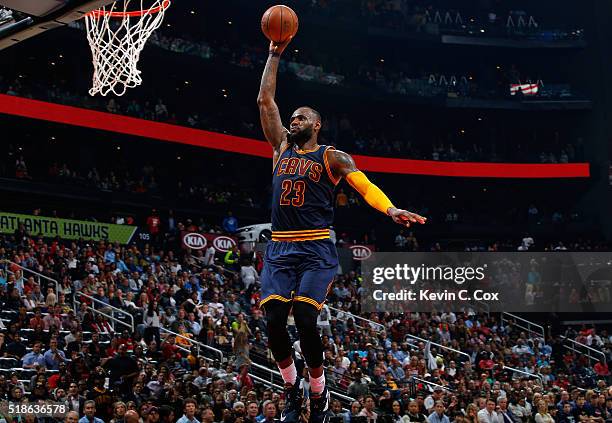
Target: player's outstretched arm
(343,166)
(271,122)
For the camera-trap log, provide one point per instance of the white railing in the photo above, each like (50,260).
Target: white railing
(431,383)
(188,351)
(103,305)
(196,343)
(533,375)
(337,394)
(530,327)
(444,347)
(265,382)
(271,372)
(348,315)
(586,349)
(35,274)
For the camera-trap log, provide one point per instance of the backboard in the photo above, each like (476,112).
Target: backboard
(22,19)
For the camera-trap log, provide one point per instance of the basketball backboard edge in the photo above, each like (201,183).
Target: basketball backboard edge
(23,19)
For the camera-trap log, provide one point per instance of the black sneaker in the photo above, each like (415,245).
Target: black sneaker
(293,402)
(319,407)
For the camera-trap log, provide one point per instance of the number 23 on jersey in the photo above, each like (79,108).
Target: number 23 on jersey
(293,193)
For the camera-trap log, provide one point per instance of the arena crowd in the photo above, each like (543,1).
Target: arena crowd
(199,336)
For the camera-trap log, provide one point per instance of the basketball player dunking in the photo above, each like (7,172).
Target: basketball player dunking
(301,261)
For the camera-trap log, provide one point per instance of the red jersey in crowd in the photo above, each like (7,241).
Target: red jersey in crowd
(153,222)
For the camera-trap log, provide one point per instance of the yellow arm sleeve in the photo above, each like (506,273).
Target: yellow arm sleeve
(370,192)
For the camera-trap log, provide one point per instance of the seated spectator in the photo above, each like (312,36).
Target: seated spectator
(368,409)
(438,415)
(16,348)
(54,356)
(33,358)
(53,318)
(37,320)
(414,416)
(89,409)
(189,410)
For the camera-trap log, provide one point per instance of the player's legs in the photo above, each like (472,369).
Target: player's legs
(317,270)
(279,342)
(278,283)
(312,349)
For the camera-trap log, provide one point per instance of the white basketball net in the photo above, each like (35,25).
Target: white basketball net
(117,35)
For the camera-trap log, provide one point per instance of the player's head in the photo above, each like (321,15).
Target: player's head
(305,123)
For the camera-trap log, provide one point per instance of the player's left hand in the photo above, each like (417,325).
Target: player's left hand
(278,48)
(404,217)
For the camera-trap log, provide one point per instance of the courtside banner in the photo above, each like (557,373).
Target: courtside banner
(487,282)
(199,241)
(51,227)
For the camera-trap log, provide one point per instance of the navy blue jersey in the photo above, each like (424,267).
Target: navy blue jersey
(302,190)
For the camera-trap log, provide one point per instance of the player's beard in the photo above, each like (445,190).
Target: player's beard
(300,137)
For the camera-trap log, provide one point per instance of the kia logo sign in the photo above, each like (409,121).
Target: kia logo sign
(194,240)
(224,243)
(360,252)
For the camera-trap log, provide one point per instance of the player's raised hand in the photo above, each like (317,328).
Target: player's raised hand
(405,218)
(278,48)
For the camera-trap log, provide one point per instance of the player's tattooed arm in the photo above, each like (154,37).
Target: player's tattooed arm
(271,122)
(343,165)
(340,163)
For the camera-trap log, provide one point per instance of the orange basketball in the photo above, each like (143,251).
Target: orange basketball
(279,23)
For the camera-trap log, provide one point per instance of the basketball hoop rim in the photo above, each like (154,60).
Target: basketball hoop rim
(100,13)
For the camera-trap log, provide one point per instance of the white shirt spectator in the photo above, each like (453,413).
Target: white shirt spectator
(249,276)
(520,349)
(595,338)
(209,256)
(429,403)
(449,317)
(323,317)
(218,307)
(518,411)
(345,362)
(485,417)
(371,416)
(544,418)
(151,321)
